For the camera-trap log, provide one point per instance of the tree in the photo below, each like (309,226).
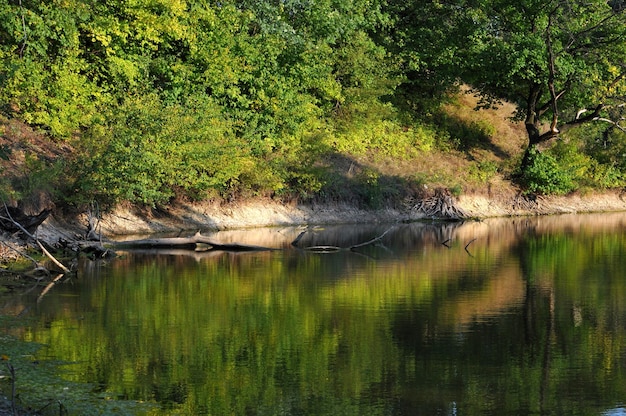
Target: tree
(425,38)
(42,71)
(563,62)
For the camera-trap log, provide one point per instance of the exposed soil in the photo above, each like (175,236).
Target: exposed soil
(255,213)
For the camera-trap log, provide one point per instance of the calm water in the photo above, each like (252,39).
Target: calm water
(508,317)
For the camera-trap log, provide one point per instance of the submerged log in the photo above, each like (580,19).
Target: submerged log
(200,243)
(195,242)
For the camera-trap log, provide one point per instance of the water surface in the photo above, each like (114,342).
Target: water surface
(501,317)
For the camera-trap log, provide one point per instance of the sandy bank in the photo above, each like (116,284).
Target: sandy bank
(258,213)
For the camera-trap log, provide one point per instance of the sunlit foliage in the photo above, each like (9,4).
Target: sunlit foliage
(285,83)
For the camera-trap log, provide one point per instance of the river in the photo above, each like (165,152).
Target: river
(523,316)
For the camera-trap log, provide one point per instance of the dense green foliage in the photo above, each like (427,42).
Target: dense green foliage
(561,62)
(543,175)
(164,98)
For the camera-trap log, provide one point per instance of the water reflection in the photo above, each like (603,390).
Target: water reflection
(517,316)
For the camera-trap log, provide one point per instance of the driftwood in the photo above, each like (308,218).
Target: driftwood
(201,243)
(195,242)
(332,249)
(15,220)
(19,227)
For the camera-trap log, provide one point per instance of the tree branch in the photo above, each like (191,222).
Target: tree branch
(23,46)
(613,122)
(575,36)
(553,95)
(43,249)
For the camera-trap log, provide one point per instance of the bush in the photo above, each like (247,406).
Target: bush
(483,171)
(584,168)
(543,174)
(148,152)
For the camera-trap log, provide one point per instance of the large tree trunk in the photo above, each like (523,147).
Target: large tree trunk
(534,110)
(532,122)
(534,138)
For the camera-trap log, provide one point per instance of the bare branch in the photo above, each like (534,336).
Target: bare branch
(51,257)
(333,249)
(467,245)
(43,249)
(580,120)
(17,224)
(32,260)
(614,123)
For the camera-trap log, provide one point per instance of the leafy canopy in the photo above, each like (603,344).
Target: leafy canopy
(165,98)
(560,61)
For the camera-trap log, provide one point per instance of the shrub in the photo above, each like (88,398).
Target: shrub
(586,169)
(148,151)
(483,171)
(543,174)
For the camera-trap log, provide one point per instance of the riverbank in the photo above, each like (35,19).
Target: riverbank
(187,218)
(127,220)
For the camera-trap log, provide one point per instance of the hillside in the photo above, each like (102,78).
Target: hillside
(481,166)
(477,173)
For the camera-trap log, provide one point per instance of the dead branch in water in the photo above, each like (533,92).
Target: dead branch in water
(332,249)
(467,245)
(49,286)
(51,257)
(199,242)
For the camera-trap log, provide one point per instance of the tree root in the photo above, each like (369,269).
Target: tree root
(526,202)
(441,205)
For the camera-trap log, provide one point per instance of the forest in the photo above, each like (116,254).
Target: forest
(156,100)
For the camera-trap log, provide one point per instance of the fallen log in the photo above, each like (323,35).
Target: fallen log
(27,233)
(195,242)
(201,243)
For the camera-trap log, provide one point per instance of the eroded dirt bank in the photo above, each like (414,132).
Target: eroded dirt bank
(213,216)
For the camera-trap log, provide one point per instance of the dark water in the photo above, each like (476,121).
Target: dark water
(508,317)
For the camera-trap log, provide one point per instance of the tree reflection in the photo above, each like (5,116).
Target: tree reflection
(531,323)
